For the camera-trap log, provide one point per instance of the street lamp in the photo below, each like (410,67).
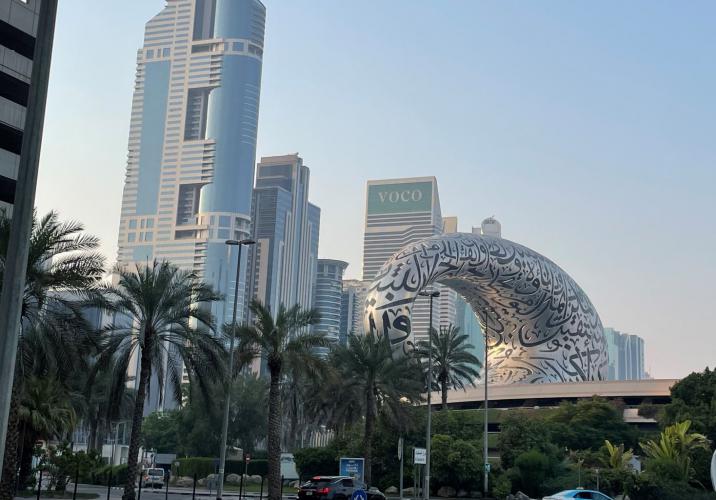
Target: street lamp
(432,295)
(486,464)
(227,399)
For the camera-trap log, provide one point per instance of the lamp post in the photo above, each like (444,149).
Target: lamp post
(486,464)
(428,432)
(227,398)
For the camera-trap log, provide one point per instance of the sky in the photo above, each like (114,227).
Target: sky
(587,129)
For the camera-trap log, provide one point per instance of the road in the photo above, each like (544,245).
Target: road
(152,494)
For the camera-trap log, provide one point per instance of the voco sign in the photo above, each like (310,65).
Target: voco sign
(408,195)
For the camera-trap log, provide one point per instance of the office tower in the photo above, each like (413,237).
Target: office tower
(352,308)
(284,260)
(399,212)
(329,291)
(449,225)
(18,29)
(192,141)
(626,355)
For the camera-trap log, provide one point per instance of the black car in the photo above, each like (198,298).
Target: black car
(335,488)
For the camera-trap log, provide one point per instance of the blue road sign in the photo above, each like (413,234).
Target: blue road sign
(359,495)
(352,467)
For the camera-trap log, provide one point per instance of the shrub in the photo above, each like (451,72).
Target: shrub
(315,461)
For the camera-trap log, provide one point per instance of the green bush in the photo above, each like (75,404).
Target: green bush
(315,461)
(102,475)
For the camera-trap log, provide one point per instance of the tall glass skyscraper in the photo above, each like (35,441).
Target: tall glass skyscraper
(284,260)
(192,141)
(626,355)
(329,291)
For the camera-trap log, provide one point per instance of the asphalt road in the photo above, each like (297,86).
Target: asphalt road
(156,494)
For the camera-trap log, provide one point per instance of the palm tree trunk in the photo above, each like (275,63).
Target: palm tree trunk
(274,438)
(9,467)
(444,389)
(368,434)
(92,440)
(145,372)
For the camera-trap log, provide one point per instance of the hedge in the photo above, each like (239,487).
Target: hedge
(100,476)
(203,466)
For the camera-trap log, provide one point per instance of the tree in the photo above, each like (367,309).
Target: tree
(286,340)
(160,431)
(154,308)
(675,446)
(587,423)
(63,269)
(455,462)
(615,457)
(533,467)
(249,412)
(372,379)
(454,366)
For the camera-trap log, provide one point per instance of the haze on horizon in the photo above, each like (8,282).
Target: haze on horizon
(586,129)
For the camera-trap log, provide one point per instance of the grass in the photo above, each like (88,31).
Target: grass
(54,494)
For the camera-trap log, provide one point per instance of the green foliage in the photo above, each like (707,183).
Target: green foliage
(160,431)
(675,448)
(116,474)
(455,462)
(533,467)
(522,431)
(62,464)
(588,423)
(316,461)
(502,486)
(453,364)
(467,425)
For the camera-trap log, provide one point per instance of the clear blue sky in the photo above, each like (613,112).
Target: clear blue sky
(587,129)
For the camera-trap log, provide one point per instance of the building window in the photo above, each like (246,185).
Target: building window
(150,223)
(239,46)
(148,236)
(131,237)
(133,224)
(150,53)
(223,234)
(224,221)
(141,225)
(166,52)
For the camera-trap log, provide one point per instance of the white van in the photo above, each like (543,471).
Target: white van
(288,467)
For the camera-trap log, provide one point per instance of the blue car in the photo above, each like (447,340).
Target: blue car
(569,494)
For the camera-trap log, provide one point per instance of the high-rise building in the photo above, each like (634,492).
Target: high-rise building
(354,292)
(626,355)
(399,212)
(283,262)
(328,295)
(192,141)
(18,29)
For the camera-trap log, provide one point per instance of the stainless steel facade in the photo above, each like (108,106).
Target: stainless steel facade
(541,326)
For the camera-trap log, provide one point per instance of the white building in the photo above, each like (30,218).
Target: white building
(399,212)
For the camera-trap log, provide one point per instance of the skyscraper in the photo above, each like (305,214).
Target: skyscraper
(192,141)
(18,28)
(352,298)
(328,294)
(626,355)
(283,262)
(398,212)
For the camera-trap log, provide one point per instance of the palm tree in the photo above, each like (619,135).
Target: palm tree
(675,445)
(63,269)
(155,307)
(616,458)
(284,341)
(371,381)
(454,365)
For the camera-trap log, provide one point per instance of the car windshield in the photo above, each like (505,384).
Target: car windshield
(317,483)
(155,472)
